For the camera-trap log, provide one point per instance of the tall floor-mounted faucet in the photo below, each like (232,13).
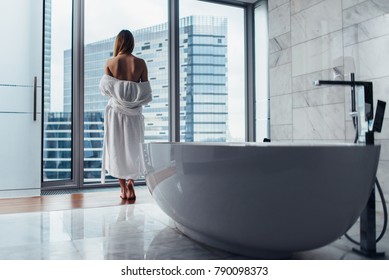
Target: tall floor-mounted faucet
(368,93)
(368,241)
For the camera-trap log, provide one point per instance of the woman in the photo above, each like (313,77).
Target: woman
(126,84)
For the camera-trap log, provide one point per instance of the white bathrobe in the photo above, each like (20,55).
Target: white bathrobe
(123,126)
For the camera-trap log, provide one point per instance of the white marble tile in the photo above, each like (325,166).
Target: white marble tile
(363,56)
(306,82)
(156,213)
(280,80)
(381,90)
(280,58)
(318,54)
(373,28)
(350,130)
(281,109)
(350,66)
(157,244)
(366,30)
(348,3)
(316,21)
(329,252)
(272,4)
(46,251)
(116,247)
(90,248)
(273,46)
(364,11)
(279,43)
(31,228)
(281,132)
(131,221)
(298,5)
(279,21)
(384,149)
(130,247)
(319,123)
(350,35)
(108,221)
(164,246)
(319,96)
(385,126)
(383,176)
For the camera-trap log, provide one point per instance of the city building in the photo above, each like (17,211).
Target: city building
(47,57)
(57,150)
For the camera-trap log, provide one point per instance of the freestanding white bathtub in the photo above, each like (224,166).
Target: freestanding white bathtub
(262,200)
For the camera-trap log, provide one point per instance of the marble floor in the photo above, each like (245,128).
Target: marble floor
(132,231)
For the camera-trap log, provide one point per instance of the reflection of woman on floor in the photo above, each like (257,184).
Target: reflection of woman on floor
(125,82)
(125,238)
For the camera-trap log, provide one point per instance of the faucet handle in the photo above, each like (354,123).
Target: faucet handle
(379,116)
(316,83)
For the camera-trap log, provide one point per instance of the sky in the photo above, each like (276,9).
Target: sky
(105,18)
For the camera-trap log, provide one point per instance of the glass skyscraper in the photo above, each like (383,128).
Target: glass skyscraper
(47,57)
(203,86)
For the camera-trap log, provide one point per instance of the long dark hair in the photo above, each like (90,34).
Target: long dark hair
(124,43)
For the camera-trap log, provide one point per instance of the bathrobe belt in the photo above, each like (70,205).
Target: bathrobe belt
(117,107)
(123,109)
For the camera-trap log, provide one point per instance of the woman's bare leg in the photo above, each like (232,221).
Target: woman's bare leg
(130,189)
(123,188)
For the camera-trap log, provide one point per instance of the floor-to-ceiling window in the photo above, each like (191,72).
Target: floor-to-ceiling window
(212,76)
(212,72)
(147,20)
(57,87)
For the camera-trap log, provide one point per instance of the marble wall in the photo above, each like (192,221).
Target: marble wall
(326,39)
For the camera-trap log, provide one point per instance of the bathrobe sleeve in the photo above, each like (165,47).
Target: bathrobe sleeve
(130,95)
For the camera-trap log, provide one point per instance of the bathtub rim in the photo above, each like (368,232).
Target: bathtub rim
(263,144)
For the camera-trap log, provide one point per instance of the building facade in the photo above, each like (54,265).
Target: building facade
(57,150)
(47,56)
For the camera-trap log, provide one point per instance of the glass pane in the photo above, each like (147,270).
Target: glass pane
(212,89)
(21,61)
(57,141)
(104,19)
(261,73)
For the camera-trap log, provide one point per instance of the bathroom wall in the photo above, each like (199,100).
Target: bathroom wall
(326,39)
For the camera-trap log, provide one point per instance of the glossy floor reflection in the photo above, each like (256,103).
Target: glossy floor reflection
(133,231)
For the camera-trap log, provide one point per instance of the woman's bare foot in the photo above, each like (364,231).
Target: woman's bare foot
(130,192)
(123,189)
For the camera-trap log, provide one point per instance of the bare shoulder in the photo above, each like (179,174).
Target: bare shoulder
(139,61)
(108,66)
(111,61)
(142,68)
